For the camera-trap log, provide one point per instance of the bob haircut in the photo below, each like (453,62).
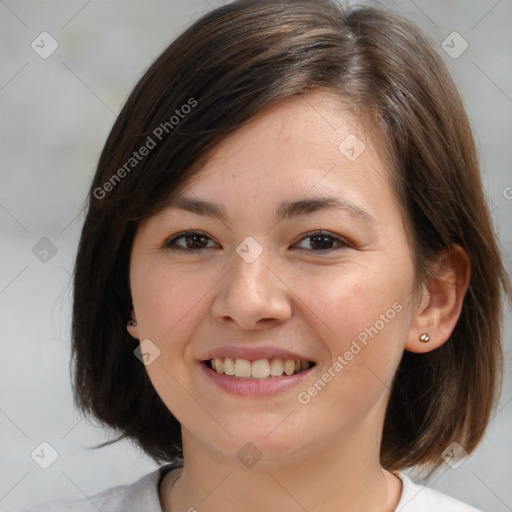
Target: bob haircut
(230,65)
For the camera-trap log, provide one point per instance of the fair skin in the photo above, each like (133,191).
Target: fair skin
(304,293)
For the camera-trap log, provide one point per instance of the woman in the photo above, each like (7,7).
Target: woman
(288,288)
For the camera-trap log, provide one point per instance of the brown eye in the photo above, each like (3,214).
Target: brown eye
(324,241)
(190,240)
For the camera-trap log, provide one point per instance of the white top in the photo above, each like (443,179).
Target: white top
(143,496)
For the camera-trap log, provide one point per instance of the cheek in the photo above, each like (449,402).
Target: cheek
(362,321)
(350,298)
(163,296)
(360,314)
(168,303)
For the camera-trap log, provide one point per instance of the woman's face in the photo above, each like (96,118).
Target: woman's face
(302,257)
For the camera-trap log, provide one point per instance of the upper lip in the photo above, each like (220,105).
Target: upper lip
(254,353)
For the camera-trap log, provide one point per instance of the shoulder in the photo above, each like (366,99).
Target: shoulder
(417,498)
(140,495)
(110,500)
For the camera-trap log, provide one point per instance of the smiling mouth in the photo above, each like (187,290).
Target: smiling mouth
(260,369)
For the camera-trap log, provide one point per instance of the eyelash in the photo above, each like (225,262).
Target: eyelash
(170,244)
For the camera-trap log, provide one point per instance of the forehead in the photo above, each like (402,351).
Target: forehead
(307,129)
(310,144)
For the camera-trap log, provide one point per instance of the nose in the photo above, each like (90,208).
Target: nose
(252,296)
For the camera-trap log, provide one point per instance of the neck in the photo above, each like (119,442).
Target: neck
(342,476)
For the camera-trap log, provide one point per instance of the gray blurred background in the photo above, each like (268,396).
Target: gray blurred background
(56,112)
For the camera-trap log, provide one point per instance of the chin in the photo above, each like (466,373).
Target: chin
(269,447)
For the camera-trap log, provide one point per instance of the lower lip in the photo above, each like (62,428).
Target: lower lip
(254,387)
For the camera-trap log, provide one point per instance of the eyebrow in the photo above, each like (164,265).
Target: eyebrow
(285,209)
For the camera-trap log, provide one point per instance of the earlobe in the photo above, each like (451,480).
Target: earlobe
(132,326)
(441,302)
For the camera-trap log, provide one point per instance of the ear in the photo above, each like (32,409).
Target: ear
(132,327)
(441,301)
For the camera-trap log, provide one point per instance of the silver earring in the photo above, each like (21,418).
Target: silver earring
(133,323)
(424,338)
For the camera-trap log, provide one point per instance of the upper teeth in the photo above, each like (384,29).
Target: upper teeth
(259,369)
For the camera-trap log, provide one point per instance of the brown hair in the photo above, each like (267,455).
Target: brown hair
(227,67)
